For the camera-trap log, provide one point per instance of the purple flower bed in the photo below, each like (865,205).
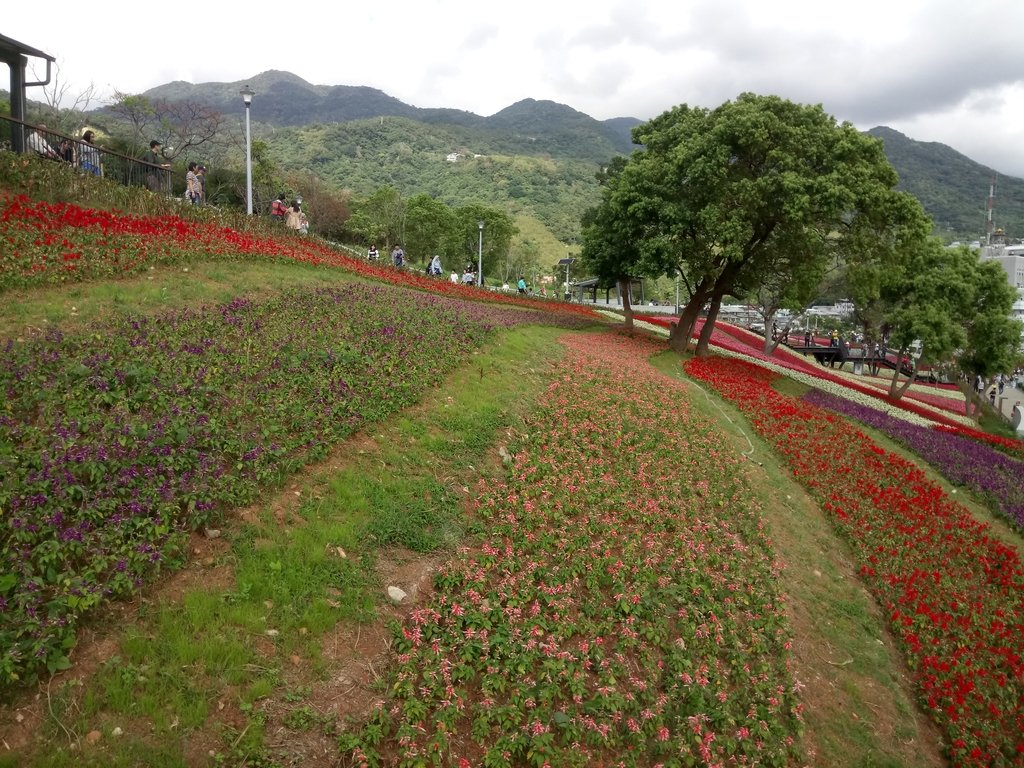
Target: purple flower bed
(995,477)
(117,442)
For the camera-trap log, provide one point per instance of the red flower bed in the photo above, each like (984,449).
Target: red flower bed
(54,242)
(954,595)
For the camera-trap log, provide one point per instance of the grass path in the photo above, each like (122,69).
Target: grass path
(858,705)
(277,623)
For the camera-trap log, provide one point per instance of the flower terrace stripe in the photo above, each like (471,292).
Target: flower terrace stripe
(953,594)
(115,442)
(54,243)
(621,608)
(997,478)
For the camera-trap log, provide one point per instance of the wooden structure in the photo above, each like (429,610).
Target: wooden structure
(16,56)
(592,285)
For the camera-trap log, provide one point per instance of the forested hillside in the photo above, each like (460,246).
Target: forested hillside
(534,158)
(413,157)
(953,188)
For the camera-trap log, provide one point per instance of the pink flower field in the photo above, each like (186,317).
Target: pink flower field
(621,608)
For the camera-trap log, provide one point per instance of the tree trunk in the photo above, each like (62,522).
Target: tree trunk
(627,308)
(770,344)
(970,398)
(709,327)
(897,370)
(680,339)
(897,391)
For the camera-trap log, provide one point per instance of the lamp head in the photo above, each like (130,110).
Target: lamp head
(247,93)
(481,225)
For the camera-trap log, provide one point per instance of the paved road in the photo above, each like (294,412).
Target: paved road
(1009,398)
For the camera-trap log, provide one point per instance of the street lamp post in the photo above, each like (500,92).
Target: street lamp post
(247,94)
(566,262)
(480,256)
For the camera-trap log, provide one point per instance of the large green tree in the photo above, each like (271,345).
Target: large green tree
(993,336)
(722,197)
(954,310)
(926,303)
(429,228)
(611,239)
(491,244)
(380,218)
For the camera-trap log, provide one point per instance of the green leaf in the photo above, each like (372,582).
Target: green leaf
(7,581)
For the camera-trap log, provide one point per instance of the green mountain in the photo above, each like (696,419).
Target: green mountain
(284,99)
(953,188)
(535,158)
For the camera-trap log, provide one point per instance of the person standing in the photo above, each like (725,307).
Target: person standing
(66,150)
(156,166)
(89,155)
(435,266)
(40,145)
(373,254)
(201,175)
(521,285)
(193,189)
(398,257)
(297,219)
(279,210)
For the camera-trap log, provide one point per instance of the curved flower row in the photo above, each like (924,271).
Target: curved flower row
(953,594)
(946,398)
(57,242)
(994,476)
(728,338)
(116,442)
(1004,444)
(621,609)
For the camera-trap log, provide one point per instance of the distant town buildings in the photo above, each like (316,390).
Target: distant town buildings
(1011,258)
(454,157)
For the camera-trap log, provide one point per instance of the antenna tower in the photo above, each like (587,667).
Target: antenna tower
(990,208)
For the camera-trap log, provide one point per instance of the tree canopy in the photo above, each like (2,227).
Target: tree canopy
(757,186)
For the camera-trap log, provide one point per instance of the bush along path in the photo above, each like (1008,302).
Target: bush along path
(953,593)
(117,442)
(621,608)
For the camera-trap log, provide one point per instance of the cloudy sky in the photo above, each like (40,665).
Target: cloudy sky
(950,71)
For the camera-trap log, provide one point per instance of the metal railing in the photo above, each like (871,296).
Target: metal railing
(86,157)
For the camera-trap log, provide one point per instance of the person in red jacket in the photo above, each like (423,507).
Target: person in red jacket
(279,209)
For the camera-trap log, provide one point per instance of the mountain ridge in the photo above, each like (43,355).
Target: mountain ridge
(952,188)
(286,99)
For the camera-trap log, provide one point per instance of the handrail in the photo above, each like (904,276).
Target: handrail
(88,158)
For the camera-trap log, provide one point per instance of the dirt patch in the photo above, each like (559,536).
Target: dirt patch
(302,732)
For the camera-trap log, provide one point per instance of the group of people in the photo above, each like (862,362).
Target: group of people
(85,154)
(397,255)
(996,385)
(82,154)
(433,267)
(291,215)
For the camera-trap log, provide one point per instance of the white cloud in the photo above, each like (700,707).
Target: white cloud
(937,70)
